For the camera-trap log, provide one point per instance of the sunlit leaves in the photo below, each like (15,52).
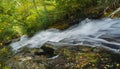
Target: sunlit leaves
(1,43)
(34,15)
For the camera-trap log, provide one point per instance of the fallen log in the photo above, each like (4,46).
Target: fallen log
(114,12)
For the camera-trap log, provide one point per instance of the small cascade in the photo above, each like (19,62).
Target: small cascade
(103,32)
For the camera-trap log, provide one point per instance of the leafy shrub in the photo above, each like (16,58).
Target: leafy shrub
(18,17)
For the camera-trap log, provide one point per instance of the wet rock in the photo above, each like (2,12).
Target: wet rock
(48,51)
(64,57)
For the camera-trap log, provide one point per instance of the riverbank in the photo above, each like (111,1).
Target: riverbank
(76,47)
(65,57)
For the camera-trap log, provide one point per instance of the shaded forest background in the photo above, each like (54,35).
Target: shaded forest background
(19,17)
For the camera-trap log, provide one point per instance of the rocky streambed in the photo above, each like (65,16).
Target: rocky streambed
(91,44)
(64,57)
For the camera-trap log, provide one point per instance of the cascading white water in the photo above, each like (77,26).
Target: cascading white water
(87,32)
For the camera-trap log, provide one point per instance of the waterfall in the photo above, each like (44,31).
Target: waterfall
(101,32)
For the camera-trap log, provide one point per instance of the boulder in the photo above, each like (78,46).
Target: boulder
(64,57)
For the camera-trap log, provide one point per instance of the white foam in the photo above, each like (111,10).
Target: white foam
(85,28)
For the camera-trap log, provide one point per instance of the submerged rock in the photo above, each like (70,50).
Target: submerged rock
(64,57)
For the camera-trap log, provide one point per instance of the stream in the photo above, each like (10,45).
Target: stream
(101,32)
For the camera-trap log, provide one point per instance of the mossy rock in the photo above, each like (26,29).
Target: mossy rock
(62,25)
(66,57)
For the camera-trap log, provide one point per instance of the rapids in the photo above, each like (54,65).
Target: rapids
(103,32)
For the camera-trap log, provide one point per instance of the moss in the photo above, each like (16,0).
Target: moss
(61,26)
(75,57)
(5,53)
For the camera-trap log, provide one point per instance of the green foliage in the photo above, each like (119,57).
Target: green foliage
(73,7)
(19,17)
(5,53)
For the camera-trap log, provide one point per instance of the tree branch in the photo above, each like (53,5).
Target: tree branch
(113,13)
